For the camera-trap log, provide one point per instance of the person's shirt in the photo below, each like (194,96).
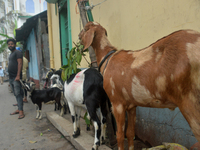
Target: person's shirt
(24,68)
(13,64)
(1,72)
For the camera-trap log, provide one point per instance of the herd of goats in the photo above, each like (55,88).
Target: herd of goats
(165,74)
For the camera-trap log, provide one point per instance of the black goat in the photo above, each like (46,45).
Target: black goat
(46,96)
(56,81)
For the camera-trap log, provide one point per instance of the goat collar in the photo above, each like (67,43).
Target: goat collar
(104,59)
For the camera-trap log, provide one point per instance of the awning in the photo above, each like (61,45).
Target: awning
(23,32)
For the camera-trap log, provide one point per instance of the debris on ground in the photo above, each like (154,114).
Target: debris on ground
(32,142)
(167,146)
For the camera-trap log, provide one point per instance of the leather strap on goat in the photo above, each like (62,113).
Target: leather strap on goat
(104,59)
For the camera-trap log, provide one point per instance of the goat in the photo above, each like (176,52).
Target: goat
(54,76)
(47,78)
(46,96)
(85,89)
(56,79)
(165,74)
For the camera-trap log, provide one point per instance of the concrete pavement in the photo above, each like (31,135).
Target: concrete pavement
(83,142)
(27,133)
(52,132)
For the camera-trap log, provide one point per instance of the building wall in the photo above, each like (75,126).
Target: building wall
(55,51)
(19,7)
(2,8)
(33,64)
(76,26)
(163,125)
(136,24)
(30,6)
(54,27)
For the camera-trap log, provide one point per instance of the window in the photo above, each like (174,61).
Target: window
(30,7)
(44,5)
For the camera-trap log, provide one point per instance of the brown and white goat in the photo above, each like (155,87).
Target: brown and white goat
(165,74)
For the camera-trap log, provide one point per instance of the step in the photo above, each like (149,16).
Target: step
(83,142)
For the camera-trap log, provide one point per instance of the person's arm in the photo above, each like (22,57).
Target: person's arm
(19,69)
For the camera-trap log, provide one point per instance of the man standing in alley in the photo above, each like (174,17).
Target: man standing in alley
(15,74)
(24,75)
(1,74)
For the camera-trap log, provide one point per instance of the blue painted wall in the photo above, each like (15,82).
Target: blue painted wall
(157,125)
(33,65)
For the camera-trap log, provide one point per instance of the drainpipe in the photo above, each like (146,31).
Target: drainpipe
(50,36)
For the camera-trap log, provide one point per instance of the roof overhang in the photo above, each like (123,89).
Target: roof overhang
(23,32)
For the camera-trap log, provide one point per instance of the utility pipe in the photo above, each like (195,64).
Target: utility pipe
(89,13)
(50,35)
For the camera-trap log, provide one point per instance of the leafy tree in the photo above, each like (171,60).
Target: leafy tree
(3,43)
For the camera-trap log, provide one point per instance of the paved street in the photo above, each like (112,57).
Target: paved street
(28,133)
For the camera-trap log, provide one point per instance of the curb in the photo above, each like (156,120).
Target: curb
(83,142)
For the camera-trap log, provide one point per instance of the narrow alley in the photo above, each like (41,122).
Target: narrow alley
(27,133)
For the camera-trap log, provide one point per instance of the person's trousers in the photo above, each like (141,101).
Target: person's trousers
(18,92)
(1,79)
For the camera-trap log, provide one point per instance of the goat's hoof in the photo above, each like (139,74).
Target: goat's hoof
(95,147)
(77,133)
(103,141)
(88,128)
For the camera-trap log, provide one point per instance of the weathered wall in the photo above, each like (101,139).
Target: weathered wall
(33,64)
(163,125)
(26,5)
(54,27)
(76,27)
(136,24)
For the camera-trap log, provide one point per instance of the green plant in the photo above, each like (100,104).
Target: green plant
(14,32)
(74,57)
(3,43)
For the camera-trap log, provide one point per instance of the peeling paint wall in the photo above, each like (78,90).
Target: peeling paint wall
(55,29)
(163,125)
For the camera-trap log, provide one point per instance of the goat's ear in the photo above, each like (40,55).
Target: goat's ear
(88,38)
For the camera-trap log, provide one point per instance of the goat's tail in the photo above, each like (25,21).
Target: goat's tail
(109,103)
